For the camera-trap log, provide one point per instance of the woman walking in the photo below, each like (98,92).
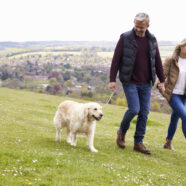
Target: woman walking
(175,90)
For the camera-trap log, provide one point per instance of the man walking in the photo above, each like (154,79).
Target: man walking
(138,60)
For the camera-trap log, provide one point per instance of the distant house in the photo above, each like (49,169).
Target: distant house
(38,77)
(78,86)
(44,85)
(89,87)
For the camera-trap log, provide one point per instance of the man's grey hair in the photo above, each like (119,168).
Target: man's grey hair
(142,17)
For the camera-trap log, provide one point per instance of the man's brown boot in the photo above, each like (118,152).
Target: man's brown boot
(141,148)
(168,144)
(120,139)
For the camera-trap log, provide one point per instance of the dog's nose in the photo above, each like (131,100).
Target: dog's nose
(101,115)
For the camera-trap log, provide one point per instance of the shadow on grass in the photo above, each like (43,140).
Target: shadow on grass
(51,144)
(149,123)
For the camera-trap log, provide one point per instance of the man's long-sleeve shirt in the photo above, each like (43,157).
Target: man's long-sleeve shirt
(142,70)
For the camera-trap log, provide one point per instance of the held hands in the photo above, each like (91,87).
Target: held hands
(112,86)
(161,87)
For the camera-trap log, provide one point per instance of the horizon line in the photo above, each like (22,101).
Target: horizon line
(9,41)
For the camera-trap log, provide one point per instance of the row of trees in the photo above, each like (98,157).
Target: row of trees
(59,77)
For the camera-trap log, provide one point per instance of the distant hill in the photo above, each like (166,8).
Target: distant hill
(110,44)
(167,43)
(57,43)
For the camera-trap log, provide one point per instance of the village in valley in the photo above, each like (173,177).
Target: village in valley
(75,69)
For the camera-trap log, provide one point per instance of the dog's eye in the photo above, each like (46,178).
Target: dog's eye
(95,109)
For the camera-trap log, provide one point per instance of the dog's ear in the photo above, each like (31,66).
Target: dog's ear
(86,112)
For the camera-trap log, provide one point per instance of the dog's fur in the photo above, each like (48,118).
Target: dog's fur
(77,117)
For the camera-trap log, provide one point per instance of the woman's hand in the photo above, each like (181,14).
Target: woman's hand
(161,87)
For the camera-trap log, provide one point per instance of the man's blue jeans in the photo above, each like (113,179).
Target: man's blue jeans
(138,99)
(177,103)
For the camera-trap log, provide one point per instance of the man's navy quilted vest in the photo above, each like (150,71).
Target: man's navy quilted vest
(129,55)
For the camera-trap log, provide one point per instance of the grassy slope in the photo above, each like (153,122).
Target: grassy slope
(29,154)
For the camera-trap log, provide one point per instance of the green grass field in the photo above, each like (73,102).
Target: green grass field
(29,154)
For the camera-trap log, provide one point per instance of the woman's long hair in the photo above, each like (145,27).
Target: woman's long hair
(176,52)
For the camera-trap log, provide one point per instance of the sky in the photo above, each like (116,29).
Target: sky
(88,20)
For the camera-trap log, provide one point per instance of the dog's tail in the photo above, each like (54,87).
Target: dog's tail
(57,120)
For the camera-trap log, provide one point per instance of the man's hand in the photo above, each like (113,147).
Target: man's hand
(112,86)
(161,87)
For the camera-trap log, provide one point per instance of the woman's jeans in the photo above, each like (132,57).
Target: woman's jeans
(138,99)
(177,103)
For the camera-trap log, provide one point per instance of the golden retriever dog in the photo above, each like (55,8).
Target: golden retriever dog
(77,118)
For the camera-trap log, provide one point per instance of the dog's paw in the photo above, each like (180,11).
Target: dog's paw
(93,150)
(73,143)
(69,141)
